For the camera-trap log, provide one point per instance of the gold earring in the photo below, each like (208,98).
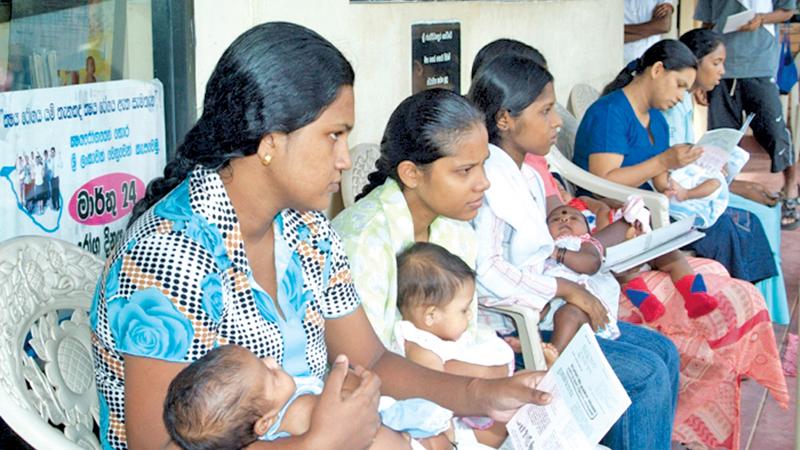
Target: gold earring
(266,160)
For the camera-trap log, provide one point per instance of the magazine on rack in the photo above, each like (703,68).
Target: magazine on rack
(588,398)
(719,144)
(641,249)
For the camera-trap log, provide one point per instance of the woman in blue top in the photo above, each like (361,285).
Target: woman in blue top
(625,138)
(749,204)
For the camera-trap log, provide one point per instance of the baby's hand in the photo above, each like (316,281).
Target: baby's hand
(676,191)
(636,213)
(681,194)
(635,230)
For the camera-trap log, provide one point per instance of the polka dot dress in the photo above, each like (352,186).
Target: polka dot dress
(177,286)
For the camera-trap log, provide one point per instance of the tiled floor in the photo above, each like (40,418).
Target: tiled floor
(764,424)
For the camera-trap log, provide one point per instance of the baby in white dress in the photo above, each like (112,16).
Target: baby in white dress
(434,293)
(577,257)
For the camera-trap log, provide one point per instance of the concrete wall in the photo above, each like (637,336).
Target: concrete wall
(582,40)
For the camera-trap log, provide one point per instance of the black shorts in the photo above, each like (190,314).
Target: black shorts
(753,95)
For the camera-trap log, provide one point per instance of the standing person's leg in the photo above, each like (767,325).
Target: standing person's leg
(790,187)
(761,96)
(647,364)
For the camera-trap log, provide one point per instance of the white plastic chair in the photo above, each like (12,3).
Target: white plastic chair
(46,372)
(363,157)
(657,203)
(525,319)
(581,98)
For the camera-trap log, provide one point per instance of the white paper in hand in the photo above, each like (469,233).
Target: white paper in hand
(588,398)
(720,144)
(738,20)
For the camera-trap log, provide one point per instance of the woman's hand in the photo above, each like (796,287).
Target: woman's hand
(588,303)
(679,156)
(359,408)
(502,397)
(754,23)
(662,10)
(755,192)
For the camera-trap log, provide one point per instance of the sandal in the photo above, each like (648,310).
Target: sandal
(790,216)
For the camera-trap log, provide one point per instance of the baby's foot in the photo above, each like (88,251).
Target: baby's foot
(648,304)
(550,353)
(696,299)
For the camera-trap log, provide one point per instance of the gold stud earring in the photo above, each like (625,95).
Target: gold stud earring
(266,160)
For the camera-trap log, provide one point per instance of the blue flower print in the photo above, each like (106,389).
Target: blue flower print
(131,244)
(292,287)
(175,206)
(265,306)
(104,419)
(324,245)
(210,238)
(303,232)
(112,279)
(95,304)
(149,324)
(213,300)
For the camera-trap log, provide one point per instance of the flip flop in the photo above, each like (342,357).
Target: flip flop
(789,211)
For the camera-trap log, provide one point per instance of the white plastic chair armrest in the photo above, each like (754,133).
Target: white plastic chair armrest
(657,203)
(527,322)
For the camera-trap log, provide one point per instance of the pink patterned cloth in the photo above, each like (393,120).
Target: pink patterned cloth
(734,341)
